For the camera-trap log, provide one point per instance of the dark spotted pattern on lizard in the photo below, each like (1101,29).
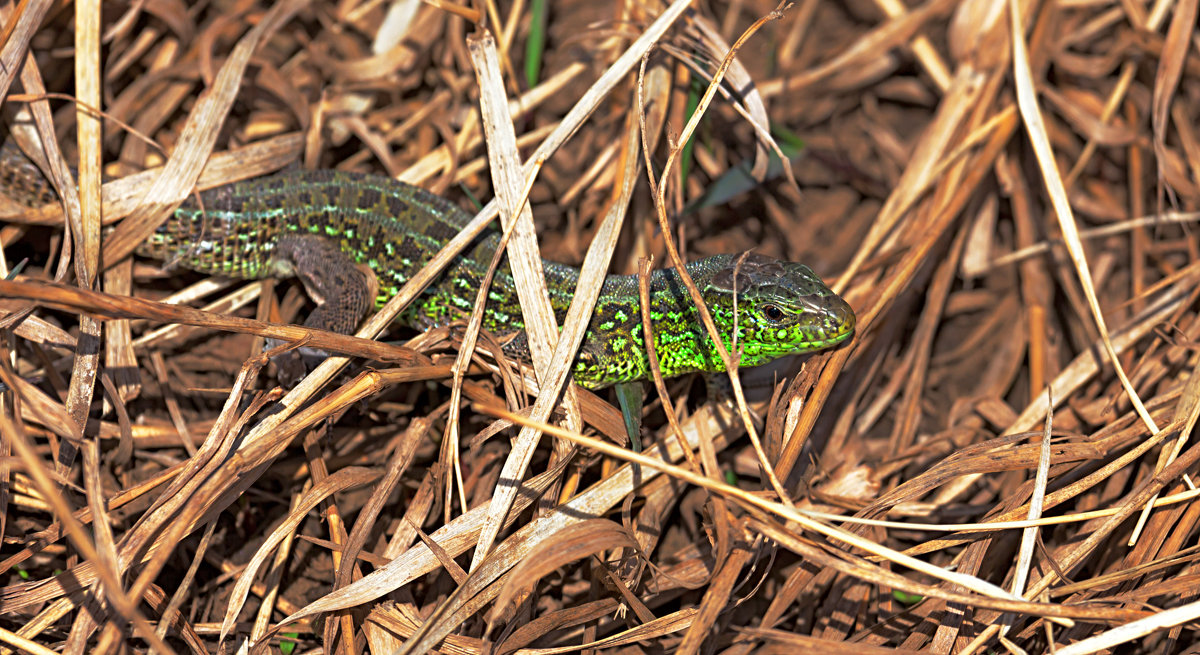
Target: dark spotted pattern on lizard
(326,227)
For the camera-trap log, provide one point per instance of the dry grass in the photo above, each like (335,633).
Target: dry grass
(1009,216)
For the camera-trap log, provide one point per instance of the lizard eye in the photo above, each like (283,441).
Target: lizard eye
(772,312)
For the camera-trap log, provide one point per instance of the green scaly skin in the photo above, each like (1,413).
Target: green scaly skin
(393,228)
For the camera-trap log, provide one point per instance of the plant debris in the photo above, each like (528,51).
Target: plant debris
(999,461)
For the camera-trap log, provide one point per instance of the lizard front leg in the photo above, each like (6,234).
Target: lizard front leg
(342,290)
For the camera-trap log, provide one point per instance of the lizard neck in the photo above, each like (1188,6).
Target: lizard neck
(614,348)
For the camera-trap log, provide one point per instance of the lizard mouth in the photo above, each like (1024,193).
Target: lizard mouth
(835,325)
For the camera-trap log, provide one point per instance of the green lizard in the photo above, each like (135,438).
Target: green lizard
(355,239)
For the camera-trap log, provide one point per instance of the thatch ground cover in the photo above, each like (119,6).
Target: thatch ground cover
(972,473)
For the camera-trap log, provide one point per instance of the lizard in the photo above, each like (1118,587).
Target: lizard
(353,239)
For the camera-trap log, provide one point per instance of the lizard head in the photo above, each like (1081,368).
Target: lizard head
(782,308)
(779,308)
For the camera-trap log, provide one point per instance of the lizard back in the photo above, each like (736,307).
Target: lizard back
(768,308)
